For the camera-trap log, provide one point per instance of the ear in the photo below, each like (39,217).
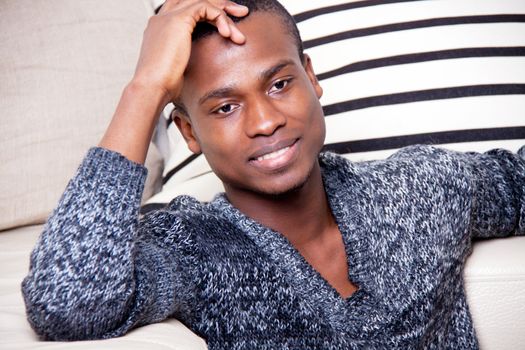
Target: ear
(311,76)
(185,127)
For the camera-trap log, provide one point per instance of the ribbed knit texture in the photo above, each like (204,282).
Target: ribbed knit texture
(407,224)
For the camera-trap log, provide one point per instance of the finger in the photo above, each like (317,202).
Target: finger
(167,6)
(172,5)
(235,9)
(229,6)
(228,29)
(224,24)
(236,35)
(215,12)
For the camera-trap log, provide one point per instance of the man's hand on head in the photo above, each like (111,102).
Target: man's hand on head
(158,78)
(166,44)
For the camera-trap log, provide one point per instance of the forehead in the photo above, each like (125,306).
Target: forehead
(217,62)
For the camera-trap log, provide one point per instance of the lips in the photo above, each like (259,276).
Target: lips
(275,156)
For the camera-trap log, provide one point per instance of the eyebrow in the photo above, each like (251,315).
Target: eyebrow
(217,93)
(228,90)
(270,72)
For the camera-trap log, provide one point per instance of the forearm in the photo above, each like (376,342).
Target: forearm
(499,206)
(160,70)
(81,277)
(131,128)
(86,278)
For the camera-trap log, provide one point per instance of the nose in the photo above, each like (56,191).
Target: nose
(263,118)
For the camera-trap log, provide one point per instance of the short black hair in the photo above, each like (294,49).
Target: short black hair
(204,29)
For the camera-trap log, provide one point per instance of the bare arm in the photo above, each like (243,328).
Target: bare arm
(93,273)
(159,73)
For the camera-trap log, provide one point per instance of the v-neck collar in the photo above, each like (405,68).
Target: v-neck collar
(342,184)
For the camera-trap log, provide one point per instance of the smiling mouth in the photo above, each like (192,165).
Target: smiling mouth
(272,158)
(273,155)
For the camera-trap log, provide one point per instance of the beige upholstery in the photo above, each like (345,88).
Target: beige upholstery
(15,332)
(63,65)
(495,285)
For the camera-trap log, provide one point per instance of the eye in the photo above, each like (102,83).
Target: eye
(226,108)
(279,85)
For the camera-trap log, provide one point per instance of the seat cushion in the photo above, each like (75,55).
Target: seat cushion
(16,333)
(494,282)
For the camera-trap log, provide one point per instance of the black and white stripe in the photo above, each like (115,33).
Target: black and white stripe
(395,73)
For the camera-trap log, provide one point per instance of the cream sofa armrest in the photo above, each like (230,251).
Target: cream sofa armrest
(15,332)
(495,285)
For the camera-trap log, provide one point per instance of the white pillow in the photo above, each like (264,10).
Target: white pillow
(446,72)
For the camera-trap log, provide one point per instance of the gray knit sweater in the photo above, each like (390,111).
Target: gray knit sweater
(407,224)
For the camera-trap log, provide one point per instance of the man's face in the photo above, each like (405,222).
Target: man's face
(254,108)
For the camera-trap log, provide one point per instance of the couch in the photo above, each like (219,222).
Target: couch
(64,63)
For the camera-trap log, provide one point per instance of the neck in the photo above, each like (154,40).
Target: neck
(302,215)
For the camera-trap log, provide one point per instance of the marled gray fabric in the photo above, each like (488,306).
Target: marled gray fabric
(407,224)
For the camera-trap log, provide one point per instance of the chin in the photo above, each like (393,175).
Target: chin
(286,186)
(281,191)
(278,185)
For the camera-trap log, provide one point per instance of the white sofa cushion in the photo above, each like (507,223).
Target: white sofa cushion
(15,332)
(494,281)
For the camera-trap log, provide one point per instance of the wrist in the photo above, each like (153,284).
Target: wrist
(157,97)
(135,118)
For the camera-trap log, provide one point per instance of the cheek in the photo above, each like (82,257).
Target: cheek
(222,147)
(316,123)
(218,138)
(318,129)
(312,112)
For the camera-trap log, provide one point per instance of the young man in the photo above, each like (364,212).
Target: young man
(302,251)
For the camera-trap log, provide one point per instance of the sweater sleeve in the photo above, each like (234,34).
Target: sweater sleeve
(84,271)
(494,186)
(499,193)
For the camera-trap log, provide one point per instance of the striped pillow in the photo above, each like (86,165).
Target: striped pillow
(395,73)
